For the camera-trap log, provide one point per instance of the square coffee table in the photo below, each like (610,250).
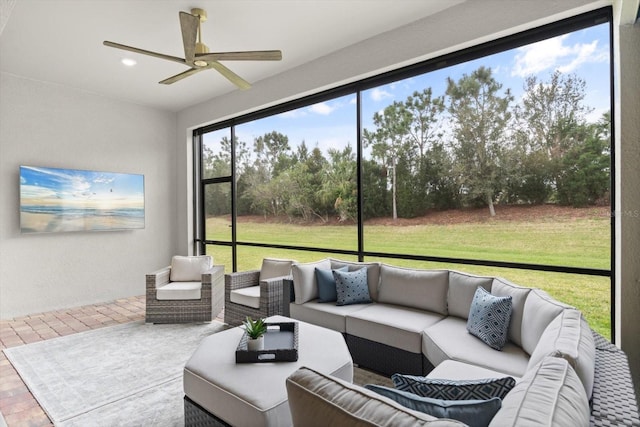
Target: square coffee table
(254,394)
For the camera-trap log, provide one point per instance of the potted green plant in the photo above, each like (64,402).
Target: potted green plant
(255,333)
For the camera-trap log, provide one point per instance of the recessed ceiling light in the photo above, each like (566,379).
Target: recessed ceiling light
(128,62)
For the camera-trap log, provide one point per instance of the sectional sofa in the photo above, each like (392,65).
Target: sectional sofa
(415,321)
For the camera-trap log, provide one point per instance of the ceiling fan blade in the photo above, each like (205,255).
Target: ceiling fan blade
(181,76)
(249,55)
(230,75)
(144,52)
(189,27)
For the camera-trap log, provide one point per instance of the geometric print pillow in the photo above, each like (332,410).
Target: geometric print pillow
(454,390)
(351,287)
(489,318)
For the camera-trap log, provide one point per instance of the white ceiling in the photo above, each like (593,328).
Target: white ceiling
(60,41)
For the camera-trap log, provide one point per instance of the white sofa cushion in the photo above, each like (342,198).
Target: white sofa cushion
(462,288)
(305,285)
(190,268)
(539,310)
(249,296)
(373,273)
(393,325)
(569,336)
(179,291)
(549,395)
(449,339)
(454,370)
(275,267)
(503,288)
(329,316)
(318,400)
(412,287)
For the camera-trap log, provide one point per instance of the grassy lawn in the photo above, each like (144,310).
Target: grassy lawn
(578,242)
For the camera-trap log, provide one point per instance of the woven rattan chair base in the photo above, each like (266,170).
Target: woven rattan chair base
(186,311)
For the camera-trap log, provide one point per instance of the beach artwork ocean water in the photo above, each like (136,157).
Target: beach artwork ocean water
(61,200)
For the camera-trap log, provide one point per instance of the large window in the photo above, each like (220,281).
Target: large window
(495,160)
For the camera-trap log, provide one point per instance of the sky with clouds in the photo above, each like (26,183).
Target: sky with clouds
(53,186)
(331,124)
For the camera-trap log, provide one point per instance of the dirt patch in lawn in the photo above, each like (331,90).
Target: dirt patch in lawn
(516,213)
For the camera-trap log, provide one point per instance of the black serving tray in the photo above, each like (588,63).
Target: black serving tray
(280,345)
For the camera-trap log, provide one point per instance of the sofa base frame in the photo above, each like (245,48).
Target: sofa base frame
(385,359)
(196,416)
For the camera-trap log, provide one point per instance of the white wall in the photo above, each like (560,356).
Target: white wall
(44,124)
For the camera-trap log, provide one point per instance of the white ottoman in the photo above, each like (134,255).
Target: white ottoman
(254,394)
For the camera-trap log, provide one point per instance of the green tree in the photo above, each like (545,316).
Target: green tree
(272,152)
(388,141)
(479,116)
(585,175)
(551,121)
(339,184)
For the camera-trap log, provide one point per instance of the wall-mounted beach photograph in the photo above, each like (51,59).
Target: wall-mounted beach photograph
(61,200)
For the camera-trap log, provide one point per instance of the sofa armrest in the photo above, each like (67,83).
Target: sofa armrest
(158,278)
(288,296)
(271,291)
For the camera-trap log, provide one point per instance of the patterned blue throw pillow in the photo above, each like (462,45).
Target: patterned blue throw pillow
(474,413)
(352,287)
(454,389)
(489,318)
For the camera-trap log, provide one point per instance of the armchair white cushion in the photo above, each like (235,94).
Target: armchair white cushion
(190,268)
(179,291)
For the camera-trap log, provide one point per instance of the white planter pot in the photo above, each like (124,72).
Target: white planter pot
(255,344)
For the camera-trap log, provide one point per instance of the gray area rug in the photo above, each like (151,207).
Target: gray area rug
(125,375)
(129,374)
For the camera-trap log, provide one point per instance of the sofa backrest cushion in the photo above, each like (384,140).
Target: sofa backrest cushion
(503,288)
(305,285)
(190,268)
(373,273)
(462,287)
(275,267)
(550,395)
(569,336)
(318,400)
(409,287)
(539,310)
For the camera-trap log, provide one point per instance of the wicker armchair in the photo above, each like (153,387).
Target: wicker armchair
(190,290)
(255,293)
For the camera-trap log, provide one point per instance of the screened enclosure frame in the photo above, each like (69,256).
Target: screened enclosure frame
(596,17)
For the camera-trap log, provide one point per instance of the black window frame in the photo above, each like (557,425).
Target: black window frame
(571,24)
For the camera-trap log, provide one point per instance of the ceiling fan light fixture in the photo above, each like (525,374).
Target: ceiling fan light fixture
(200,63)
(128,62)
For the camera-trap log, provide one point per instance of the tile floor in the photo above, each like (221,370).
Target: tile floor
(17,405)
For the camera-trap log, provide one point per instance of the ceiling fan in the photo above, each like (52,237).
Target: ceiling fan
(197,55)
